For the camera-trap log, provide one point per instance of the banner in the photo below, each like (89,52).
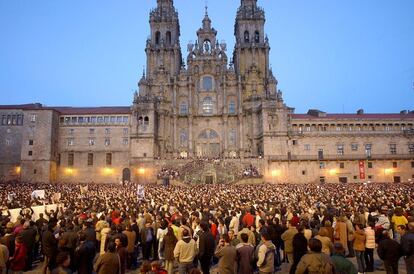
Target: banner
(38,194)
(362,169)
(140,192)
(14,213)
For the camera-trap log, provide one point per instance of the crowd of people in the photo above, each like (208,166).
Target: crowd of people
(168,172)
(240,229)
(251,172)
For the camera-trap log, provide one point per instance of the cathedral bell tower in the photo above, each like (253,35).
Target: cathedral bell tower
(163,46)
(251,53)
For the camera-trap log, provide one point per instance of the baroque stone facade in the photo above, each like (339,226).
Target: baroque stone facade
(204,106)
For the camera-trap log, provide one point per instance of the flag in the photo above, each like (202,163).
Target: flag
(140,192)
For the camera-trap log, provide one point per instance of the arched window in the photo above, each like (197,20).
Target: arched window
(168,38)
(256,37)
(146,120)
(207,83)
(232,107)
(140,120)
(157,38)
(246,37)
(207,105)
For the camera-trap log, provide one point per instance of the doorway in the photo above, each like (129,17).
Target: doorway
(209,180)
(343,180)
(397,179)
(126,175)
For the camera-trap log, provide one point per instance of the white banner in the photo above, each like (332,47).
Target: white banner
(140,192)
(38,194)
(14,213)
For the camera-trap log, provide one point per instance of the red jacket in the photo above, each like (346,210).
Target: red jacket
(18,262)
(248,220)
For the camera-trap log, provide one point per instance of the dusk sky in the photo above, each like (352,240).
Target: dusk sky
(337,56)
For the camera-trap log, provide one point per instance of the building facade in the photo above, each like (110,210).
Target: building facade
(203,104)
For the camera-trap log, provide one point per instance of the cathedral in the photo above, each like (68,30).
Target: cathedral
(202,103)
(207,115)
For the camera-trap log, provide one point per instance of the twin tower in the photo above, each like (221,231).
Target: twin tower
(203,104)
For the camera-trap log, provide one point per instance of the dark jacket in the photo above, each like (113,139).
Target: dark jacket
(84,255)
(29,237)
(49,244)
(389,250)
(206,245)
(107,263)
(343,265)
(245,258)
(407,243)
(300,248)
(169,243)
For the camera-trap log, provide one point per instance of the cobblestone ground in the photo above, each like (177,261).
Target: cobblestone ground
(285,268)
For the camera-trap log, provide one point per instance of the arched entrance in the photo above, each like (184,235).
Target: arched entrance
(208,144)
(126,175)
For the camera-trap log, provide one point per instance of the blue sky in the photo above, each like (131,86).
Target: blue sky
(337,56)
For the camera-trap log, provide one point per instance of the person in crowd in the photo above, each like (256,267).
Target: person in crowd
(359,247)
(168,245)
(227,255)
(84,255)
(63,264)
(4,258)
(109,262)
(287,238)
(342,264)
(19,258)
(315,261)
(407,243)
(184,252)
(300,247)
(49,248)
(130,234)
(266,255)
(369,246)
(390,252)
(245,255)
(327,245)
(206,245)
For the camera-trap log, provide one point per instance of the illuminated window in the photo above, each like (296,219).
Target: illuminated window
(208,105)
